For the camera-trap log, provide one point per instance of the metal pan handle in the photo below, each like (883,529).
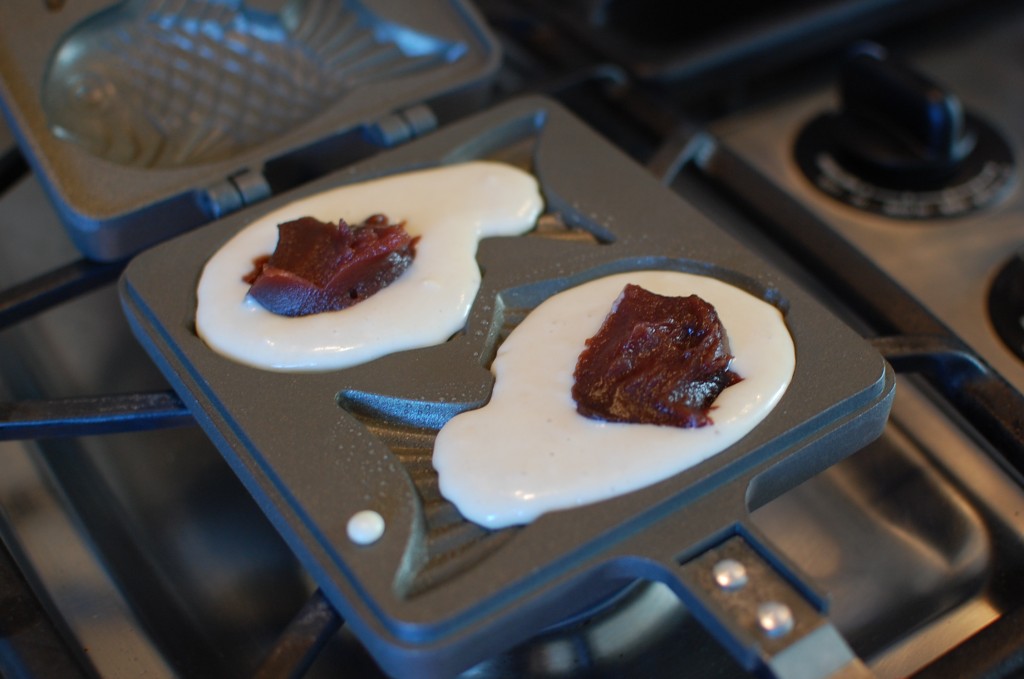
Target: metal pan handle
(770,622)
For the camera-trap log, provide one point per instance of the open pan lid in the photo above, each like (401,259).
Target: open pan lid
(145,118)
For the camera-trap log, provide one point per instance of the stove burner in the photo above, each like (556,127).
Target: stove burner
(902,146)
(1006,304)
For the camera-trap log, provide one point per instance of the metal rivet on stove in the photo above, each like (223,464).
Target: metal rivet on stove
(729,574)
(775,619)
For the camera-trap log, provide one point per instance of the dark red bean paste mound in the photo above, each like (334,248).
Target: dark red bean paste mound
(319,266)
(655,360)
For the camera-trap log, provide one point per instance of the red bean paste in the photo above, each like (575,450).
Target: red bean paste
(655,360)
(319,266)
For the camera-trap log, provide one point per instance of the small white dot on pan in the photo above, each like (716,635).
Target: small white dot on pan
(365,527)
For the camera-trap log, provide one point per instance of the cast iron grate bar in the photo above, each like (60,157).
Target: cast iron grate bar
(55,287)
(90,415)
(300,643)
(988,401)
(12,168)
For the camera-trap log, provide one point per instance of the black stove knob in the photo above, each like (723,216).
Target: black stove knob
(901,145)
(896,127)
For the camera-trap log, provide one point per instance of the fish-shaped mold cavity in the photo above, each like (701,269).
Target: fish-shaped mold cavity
(171,83)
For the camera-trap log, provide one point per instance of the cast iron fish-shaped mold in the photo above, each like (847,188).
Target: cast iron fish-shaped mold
(172,83)
(436,594)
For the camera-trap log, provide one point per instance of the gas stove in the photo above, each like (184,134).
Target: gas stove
(132,548)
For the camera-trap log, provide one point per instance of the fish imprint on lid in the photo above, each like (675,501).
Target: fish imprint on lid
(149,83)
(528,451)
(449,208)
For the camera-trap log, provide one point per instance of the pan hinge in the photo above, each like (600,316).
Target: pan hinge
(251,186)
(402,126)
(238,190)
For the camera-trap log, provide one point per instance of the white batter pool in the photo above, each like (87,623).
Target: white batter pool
(451,208)
(528,451)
